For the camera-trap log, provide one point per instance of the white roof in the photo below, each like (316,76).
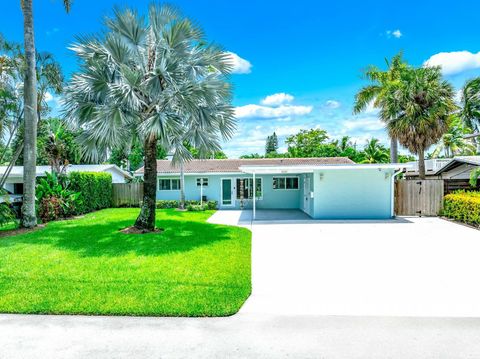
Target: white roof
(308,169)
(17,171)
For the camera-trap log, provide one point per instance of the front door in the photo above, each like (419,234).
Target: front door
(306,193)
(227,192)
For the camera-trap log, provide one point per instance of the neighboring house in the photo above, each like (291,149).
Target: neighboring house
(327,188)
(457,168)
(14,182)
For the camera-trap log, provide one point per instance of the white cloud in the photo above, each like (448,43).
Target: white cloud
(455,62)
(332,104)
(48,97)
(277,99)
(364,124)
(394,33)
(240,66)
(271,112)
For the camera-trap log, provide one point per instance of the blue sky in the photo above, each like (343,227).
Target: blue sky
(310,53)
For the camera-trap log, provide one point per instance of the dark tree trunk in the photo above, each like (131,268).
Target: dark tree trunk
(393,150)
(29,218)
(146,218)
(421,163)
(181,204)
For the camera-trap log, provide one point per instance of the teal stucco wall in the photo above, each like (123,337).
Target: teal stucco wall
(326,194)
(353,194)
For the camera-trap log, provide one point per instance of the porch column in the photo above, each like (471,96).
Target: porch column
(254,194)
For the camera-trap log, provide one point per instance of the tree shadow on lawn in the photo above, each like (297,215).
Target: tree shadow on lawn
(105,239)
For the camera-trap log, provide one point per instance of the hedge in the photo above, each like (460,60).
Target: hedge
(162,204)
(463,206)
(95,189)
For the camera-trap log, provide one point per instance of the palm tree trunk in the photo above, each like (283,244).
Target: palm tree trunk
(393,150)
(29,219)
(146,218)
(421,163)
(182,187)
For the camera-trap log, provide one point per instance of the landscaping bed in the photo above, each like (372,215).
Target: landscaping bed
(88,266)
(463,206)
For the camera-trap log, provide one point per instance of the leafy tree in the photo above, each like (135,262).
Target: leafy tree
(30,115)
(419,109)
(252,155)
(271,145)
(307,143)
(381,88)
(131,158)
(374,152)
(453,142)
(153,80)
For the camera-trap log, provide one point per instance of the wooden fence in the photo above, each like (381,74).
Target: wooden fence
(419,197)
(127,194)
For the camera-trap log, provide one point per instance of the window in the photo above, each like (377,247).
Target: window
(168,184)
(202,181)
(285,182)
(248,188)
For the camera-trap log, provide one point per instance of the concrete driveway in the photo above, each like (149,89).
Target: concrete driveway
(402,267)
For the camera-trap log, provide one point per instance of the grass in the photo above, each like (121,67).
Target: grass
(86,266)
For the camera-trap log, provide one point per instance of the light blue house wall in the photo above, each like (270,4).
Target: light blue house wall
(324,194)
(353,194)
(271,198)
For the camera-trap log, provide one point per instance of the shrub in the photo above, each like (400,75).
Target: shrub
(195,207)
(55,199)
(463,206)
(49,208)
(163,204)
(95,189)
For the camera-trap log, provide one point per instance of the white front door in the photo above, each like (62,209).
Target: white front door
(306,194)
(227,197)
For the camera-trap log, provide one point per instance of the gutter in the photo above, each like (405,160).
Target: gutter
(392,202)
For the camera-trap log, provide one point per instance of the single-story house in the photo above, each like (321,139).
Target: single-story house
(324,188)
(456,168)
(14,182)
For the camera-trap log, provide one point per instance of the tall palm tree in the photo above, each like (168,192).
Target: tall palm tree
(374,152)
(29,218)
(453,142)
(419,106)
(380,87)
(156,80)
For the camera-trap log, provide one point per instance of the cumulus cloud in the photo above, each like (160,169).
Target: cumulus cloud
(394,33)
(271,112)
(277,99)
(48,97)
(240,66)
(455,62)
(332,104)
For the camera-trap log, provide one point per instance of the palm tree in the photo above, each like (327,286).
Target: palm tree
(29,218)
(453,142)
(470,104)
(419,108)
(374,152)
(156,81)
(380,87)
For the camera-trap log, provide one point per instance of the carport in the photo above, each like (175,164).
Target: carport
(346,191)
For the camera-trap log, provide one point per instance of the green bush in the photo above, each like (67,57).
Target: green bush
(163,204)
(55,199)
(463,206)
(195,208)
(95,189)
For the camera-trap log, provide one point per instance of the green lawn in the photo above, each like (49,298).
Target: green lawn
(86,266)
